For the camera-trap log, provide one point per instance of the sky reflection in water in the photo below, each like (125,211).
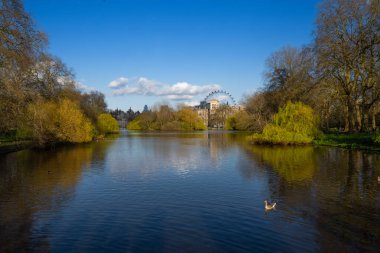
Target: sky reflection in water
(200,192)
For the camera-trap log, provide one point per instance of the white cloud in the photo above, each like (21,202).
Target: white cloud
(192,103)
(179,97)
(64,80)
(146,87)
(118,83)
(83,87)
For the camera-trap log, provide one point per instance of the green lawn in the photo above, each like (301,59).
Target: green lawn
(350,141)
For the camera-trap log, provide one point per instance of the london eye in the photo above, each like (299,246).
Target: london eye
(222,96)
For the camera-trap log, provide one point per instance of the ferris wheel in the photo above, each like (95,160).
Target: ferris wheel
(223,96)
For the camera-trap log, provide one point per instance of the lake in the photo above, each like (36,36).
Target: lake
(189,192)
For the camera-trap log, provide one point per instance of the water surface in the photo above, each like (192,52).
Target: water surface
(189,192)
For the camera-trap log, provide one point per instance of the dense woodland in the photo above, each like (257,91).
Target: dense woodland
(39,98)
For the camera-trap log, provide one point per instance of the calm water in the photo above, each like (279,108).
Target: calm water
(195,192)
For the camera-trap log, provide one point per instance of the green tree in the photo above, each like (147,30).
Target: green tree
(134,124)
(107,124)
(295,123)
(377,137)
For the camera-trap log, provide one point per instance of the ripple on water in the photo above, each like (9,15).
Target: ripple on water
(189,193)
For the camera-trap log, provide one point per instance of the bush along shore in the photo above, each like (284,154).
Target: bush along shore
(296,124)
(363,141)
(40,102)
(60,124)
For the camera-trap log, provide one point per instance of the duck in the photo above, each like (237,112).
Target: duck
(269,206)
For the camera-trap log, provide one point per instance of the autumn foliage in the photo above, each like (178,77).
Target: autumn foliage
(54,122)
(107,124)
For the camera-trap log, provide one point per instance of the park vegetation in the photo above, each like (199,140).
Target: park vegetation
(165,118)
(107,124)
(332,84)
(337,75)
(295,123)
(39,98)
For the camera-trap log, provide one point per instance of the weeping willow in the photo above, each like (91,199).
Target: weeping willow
(295,123)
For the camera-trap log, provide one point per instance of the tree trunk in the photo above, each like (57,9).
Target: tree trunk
(373,118)
(359,117)
(351,117)
(366,109)
(346,120)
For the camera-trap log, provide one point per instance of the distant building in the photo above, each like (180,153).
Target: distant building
(212,117)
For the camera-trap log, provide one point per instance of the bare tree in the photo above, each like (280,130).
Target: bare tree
(347,43)
(290,75)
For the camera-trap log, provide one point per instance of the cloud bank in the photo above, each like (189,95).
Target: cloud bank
(118,83)
(146,87)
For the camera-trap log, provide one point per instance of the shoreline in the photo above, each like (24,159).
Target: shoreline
(361,141)
(14,146)
(356,141)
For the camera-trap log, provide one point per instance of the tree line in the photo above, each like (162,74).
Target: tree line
(39,98)
(165,118)
(337,74)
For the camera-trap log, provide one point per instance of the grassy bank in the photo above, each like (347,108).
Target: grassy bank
(363,141)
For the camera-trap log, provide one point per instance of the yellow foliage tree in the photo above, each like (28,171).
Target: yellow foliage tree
(107,124)
(53,122)
(185,119)
(189,119)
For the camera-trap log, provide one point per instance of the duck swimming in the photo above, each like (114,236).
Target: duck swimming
(269,206)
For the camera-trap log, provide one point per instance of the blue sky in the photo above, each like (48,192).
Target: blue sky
(153,51)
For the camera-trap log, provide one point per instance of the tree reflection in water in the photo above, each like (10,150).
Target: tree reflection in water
(334,188)
(153,184)
(35,181)
(293,164)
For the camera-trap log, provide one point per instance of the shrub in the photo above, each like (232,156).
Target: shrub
(377,137)
(244,121)
(295,123)
(62,121)
(107,124)
(231,123)
(134,124)
(171,126)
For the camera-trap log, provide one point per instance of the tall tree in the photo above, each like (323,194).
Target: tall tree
(290,75)
(347,43)
(20,46)
(93,104)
